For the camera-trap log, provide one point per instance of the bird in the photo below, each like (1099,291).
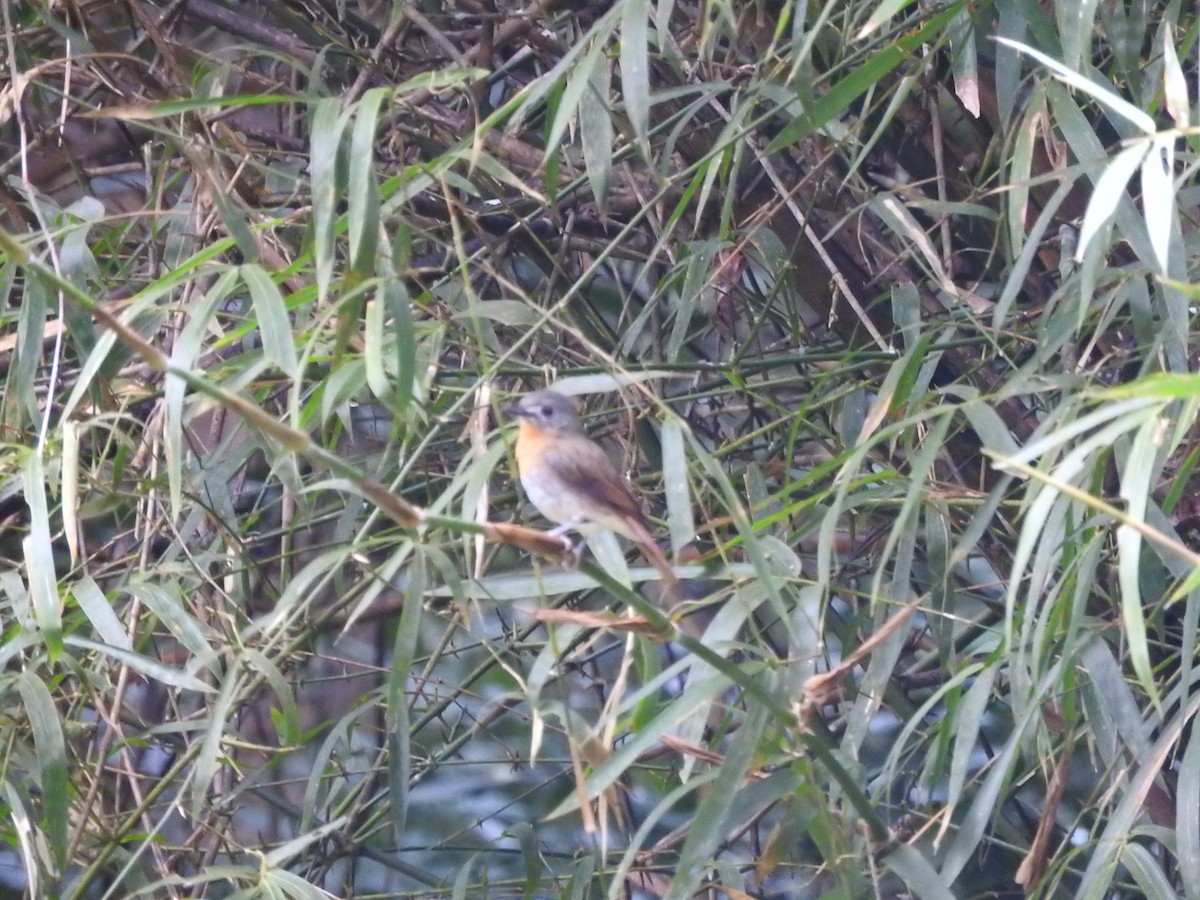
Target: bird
(571,480)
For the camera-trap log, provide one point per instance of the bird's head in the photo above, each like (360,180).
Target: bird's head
(548,411)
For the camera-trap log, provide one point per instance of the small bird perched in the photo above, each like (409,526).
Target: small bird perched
(571,480)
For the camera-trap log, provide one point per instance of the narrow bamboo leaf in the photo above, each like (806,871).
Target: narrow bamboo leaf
(440,79)
(19,813)
(1061,435)
(1114,102)
(1147,872)
(576,385)
(1187,818)
(52,762)
(1076,21)
(699,692)
(280,884)
(1011,23)
(834,102)
(328,123)
(1079,131)
(1187,586)
(100,613)
(968,719)
(287,852)
(993,431)
(77,264)
(1158,199)
(964,61)
(921,464)
(1175,84)
(151,668)
(18,400)
(1164,385)
(341,386)
(184,353)
(462,881)
(696,277)
(1117,832)
(1109,192)
(988,796)
(642,839)
(290,735)
(531,856)
(399,738)
(610,556)
(1136,483)
(274,323)
(374,346)
(145,112)
(395,298)
(595,127)
(918,874)
(882,14)
(675,484)
(39,557)
(168,606)
(712,823)
(1119,725)
(210,758)
(324,760)
(70,488)
(580,885)
(575,87)
(635,69)
(231,213)
(362,195)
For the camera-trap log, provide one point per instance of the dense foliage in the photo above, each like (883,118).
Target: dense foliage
(885,306)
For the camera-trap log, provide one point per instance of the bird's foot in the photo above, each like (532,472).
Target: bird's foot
(574,554)
(572,551)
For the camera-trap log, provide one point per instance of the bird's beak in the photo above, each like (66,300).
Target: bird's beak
(515,411)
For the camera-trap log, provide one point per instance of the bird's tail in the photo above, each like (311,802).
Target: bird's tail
(655,556)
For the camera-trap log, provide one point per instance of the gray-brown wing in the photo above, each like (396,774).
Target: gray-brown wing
(584,466)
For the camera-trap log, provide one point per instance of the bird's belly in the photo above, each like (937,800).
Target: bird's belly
(553,501)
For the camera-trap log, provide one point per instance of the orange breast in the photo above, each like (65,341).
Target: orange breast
(531,441)
(543,486)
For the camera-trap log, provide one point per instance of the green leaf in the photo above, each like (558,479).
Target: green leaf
(151,668)
(186,350)
(1076,21)
(1187,817)
(166,603)
(399,738)
(848,88)
(100,613)
(274,323)
(1109,193)
(713,821)
(595,124)
(880,16)
(325,142)
(918,875)
(396,300)
(362,194)
(53,777)
(38,554)
(635,69)
(675,484)
(1113,101)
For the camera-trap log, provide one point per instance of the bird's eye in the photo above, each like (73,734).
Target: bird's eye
(548,411)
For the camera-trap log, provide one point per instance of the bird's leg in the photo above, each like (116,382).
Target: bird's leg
(560,530)
(572,551)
